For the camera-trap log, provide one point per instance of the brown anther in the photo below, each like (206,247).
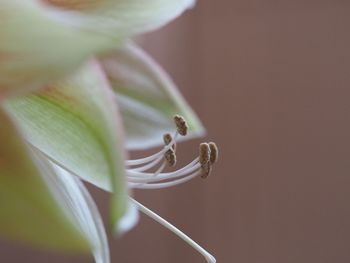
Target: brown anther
(170,157)
(167,138)
(206,170)
(181,125)
(204,153)
(204,159)
(214,152)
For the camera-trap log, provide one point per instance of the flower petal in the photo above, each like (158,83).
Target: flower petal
(75,123)
(120,18)
(29,212)
(129,219)
(147,97)
(40,43)
(36,48)
(79,202)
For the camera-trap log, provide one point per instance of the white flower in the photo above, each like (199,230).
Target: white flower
(71,85)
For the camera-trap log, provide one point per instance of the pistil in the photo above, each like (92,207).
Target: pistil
(209,258)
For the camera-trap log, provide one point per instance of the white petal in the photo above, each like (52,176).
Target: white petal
(128,221)
(119,18)
(147,97)
(35,49)
(75,122)
(80,206)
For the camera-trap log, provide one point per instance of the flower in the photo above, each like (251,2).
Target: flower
(65,80)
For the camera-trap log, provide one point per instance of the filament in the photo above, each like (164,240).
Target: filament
(154,156)
(166,184)
(133,173)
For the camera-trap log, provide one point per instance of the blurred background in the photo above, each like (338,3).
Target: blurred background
(270,80)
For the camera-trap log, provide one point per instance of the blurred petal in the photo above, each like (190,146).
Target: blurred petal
(129,219)
(77,200)
(35,48)
(42,40)
(29,212)
(75,123)
(147,97)
(120,18)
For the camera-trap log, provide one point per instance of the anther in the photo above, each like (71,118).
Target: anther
(214,152)
(204,159)
(206,170)
(167,138)
(170,157)
(181,125)
(204,153)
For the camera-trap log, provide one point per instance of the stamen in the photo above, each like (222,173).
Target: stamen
(209,258)
(204,153)
(214,152)
(170,157)
(206,170)
(167,138)
(191,167)
(204,159)
(201,166)
(166,184)
(148,166)
(133,185)
(138,177)
(181,125)
(154,156)
(170,142)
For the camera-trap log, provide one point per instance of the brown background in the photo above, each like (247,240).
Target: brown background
(270,80)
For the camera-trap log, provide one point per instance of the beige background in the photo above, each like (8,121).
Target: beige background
(270,80)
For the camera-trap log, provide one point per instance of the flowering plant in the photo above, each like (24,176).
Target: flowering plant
(70,79)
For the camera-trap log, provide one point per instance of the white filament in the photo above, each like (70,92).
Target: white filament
(138,177)
(154,156)
(133,173)
(166,184)
(164,176)
(148,166)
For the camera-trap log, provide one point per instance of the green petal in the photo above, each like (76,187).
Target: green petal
(120,18)
(37,48)
(147,97)
(75,123)
(29,213)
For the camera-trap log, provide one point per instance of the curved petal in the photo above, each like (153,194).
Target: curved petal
(29,212)
(128,221)
(147,97)
(120,18)
(35,48)
(40,43)
(75,123)
(76,199)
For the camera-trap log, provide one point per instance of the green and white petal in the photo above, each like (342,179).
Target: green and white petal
(120,18)
(36,49)
(75,123)
(29,211)
(43,40)
(147,97)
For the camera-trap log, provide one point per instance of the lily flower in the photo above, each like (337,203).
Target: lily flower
(75,96)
